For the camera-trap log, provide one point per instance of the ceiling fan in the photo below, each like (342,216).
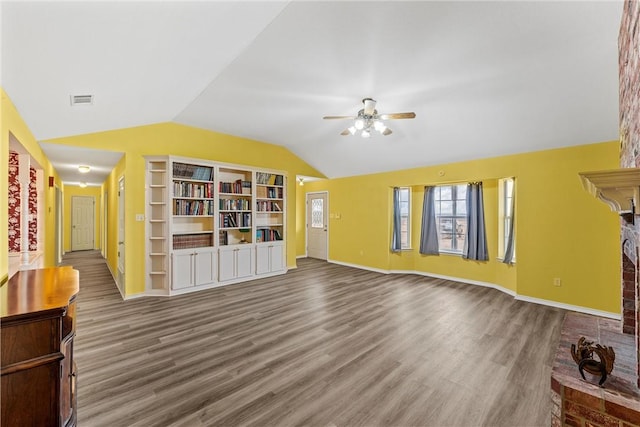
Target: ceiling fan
(369,120)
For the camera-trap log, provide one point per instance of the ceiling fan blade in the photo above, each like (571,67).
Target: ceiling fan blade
(387,131)
(345,132)
(397,116)
(369,106)
(338,117)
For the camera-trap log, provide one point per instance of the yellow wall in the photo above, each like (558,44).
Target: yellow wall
(180,140)
(69,192)
(561,231)
(12,123)
(110,186)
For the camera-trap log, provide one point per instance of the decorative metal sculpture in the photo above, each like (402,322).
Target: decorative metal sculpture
(583,356)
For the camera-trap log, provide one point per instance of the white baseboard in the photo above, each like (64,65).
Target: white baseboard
(361,267)
(569,307)
(461,280)
(549,303)
(115,281)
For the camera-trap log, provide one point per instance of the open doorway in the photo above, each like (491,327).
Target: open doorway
(121,246)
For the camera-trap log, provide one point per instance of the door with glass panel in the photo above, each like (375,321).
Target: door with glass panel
(317,234)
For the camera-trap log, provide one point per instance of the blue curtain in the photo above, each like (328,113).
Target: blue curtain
(510,248)
(429,234)
(396,237)
(475,244)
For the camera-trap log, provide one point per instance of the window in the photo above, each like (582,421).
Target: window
(451,217)
(405,223)
(317,213)
(505,210)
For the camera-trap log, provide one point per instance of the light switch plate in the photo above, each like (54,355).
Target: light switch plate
(139,217)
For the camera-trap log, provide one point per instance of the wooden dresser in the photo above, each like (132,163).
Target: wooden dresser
(37,329)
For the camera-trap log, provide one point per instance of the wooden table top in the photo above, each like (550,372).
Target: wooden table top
(39,290)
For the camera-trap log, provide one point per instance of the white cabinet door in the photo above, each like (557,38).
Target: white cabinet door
(204,266)
(262,259)
(269,258)
(276,257)
(226,264)
(243,262)
(234,262)
(182,269)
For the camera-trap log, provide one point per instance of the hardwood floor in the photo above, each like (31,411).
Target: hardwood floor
(324,345)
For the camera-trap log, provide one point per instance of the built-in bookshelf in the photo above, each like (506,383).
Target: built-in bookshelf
(235,211)
(211,224)
(269,207)
(157,225)
(193,205)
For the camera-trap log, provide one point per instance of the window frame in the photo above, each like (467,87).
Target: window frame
(405,240)
(454,216)
(504,198)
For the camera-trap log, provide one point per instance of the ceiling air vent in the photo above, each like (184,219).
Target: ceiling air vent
(81,100)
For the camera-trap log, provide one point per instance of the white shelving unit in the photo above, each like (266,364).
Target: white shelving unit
(211,224)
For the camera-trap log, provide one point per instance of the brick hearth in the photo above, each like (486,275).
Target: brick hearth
(581,403)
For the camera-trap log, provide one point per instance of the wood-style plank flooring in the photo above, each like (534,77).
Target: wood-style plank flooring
(324,345)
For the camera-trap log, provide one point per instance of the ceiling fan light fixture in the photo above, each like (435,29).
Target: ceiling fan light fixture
(368,119)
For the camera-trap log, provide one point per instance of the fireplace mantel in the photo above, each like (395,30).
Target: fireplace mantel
(618,188)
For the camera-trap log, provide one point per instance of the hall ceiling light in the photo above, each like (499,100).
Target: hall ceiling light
(84,169)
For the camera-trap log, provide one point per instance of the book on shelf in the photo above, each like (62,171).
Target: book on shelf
(188,171)
(267,206)
(234,220)
(268,235)
(223,238)
(187,241)
(193,207)
(265,178)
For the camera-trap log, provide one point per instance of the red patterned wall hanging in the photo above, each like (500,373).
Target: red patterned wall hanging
(33,210)
(14,203)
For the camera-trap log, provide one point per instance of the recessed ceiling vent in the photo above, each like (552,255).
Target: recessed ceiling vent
(81,100)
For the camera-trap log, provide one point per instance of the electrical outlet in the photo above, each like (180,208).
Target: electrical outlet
(557,282)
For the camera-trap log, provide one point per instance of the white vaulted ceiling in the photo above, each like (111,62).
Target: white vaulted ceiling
(484,78)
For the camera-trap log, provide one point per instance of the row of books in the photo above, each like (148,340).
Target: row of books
(267,235)
(190,189)
(269,192)
(267,206)
(264,178)
(183,170)
(231,220)
(235,205)
(186,241)
(193,207)
(237,187)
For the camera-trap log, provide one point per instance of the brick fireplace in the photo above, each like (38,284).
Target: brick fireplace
(629,66)
(577,402)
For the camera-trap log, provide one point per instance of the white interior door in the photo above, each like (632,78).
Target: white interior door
(317,234)
(105,223)
(82,222)
(121,218)
(58,226)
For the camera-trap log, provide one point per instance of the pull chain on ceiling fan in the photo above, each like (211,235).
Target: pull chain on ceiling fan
(368,120)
